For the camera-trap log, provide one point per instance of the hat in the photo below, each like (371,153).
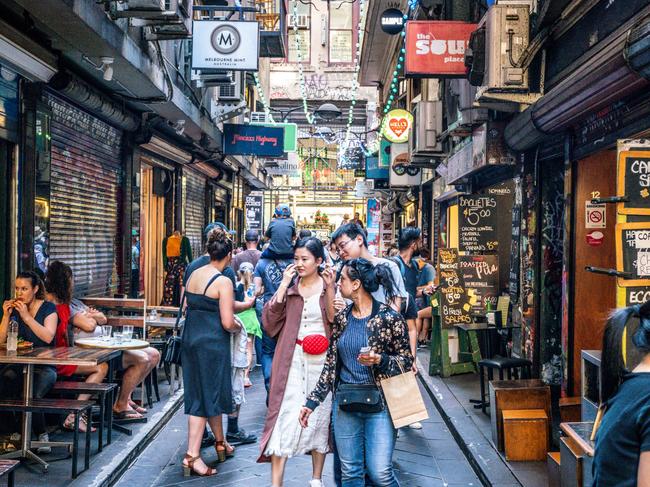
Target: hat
(246,267)
(211,226)
(282,210)
(252,236)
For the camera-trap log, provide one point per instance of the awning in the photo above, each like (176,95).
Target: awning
(609,71)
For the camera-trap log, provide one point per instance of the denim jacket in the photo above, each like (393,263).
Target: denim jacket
(387,336)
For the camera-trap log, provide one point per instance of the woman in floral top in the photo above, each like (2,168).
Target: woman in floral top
(369,342)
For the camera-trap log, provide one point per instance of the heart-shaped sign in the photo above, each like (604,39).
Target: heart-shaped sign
(398,125)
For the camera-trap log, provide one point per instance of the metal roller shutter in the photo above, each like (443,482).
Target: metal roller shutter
(85,197)
(194,199)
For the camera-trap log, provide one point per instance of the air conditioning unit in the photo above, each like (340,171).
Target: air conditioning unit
(507,30)
(212,77)
(232,92)
(146,5)
(177,24)
(301,20)
(468,114)
(427,127)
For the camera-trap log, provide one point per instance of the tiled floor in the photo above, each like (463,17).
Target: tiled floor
(423,458)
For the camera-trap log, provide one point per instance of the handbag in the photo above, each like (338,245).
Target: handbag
(314,344)
(359,398)
(172,351)
(397,388)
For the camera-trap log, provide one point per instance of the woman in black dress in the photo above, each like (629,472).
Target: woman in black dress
(206,351)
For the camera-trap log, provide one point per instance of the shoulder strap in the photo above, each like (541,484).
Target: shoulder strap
(212,279)
(398,260)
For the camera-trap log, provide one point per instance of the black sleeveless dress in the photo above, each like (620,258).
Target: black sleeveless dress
(205,355)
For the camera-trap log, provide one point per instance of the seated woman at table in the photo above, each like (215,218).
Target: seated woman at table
(37,322)
(622,453)
(58,282)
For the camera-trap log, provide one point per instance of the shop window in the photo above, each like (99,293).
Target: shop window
(303,21)
(341,36)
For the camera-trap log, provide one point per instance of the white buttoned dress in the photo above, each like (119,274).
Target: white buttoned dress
(288,437)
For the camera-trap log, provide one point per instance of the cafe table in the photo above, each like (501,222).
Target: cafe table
(44,356)
(105,344)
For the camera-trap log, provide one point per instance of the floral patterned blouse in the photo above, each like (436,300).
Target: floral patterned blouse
(387,337)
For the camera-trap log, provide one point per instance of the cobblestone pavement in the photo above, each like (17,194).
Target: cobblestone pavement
(428,457)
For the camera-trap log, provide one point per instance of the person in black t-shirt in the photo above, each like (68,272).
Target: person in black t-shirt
(622,453)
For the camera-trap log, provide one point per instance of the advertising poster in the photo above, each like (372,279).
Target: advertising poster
(373,220)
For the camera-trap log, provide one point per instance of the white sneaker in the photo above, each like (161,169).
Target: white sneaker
(43,450)
(415,426)
(315,483)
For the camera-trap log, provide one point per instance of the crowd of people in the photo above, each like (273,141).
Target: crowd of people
(326,320)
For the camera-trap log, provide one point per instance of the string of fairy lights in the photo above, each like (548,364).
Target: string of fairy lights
(393,88)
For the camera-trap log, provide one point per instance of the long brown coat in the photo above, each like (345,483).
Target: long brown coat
(282,320)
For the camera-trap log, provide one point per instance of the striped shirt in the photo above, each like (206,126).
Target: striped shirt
(352,339)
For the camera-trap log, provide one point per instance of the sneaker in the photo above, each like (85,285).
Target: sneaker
(241,438)
(415,426)
(315,483)
(43,450)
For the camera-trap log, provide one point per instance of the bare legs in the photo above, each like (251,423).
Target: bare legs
(423,322)
(95,374)
(279,463)
(138,364)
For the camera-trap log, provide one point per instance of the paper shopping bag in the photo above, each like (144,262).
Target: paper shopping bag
(404,399)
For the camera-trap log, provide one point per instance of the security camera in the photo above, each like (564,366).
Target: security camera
(107,67)
(180,126)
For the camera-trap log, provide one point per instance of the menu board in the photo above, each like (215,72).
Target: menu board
(477,222)
(480,275)
(513,276)
(634,182)
(633,253)
(454,306)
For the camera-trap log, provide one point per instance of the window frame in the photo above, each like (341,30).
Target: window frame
(290,33)
(353,30)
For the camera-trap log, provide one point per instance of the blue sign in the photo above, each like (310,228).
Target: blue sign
(374,170)
(259,140)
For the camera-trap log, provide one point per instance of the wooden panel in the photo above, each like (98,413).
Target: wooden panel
(525,434)
(570,463)
(595,174)
(515,394)
(121,303)
(570,409)
(152,232)
(57,356)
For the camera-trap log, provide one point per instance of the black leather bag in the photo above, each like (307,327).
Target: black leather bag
(359,398)
(172,350)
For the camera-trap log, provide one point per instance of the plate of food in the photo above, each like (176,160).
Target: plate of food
(22,344)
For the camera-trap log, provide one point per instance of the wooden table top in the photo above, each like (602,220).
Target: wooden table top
(483,326)
(164,322)
(101,344)
(581,433)
(56,356)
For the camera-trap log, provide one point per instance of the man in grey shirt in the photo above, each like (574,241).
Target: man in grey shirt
(251,254)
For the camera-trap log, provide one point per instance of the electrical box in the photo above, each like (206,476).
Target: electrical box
(507,36)
(423,139)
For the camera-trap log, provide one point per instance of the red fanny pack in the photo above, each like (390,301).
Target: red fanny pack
(314,344)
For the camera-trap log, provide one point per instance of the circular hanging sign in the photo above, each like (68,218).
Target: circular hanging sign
(392,21)
(396,127)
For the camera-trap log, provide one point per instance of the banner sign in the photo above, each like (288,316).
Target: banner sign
(454,306)
(477,223)
(373,218)
(397,125)
(231,45)
(392,21)
(241,140)
(437,48)
(290,134)
(254,204)
(373,170)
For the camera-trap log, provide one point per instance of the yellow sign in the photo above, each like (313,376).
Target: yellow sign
(397,125)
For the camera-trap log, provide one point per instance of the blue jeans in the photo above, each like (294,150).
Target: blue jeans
(365,444)
(268,351)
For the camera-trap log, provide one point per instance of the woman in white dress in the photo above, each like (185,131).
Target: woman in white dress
(300,317)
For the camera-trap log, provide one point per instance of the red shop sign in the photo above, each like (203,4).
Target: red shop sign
(437,47)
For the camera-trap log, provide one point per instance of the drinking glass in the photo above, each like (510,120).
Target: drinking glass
(127,332)
(117,336)
(106,332)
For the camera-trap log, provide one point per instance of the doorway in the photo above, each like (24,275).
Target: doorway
(152,233)
(6,245)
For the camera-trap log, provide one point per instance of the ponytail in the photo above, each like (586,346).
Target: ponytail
(372,276)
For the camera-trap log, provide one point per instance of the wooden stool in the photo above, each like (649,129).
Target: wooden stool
(525,433)
(570,409)
(553,468)
(507,364)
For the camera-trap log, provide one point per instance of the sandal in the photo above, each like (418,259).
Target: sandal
(127,414)
(68,424)
(137,408)
(188,467)
(224,451)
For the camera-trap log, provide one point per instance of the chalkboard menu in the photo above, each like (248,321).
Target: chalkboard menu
(478,223)
(513,276)
(633,253)
(634,182)
(454,302)
(480,276)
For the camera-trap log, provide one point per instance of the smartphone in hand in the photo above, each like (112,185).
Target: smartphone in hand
(364,352)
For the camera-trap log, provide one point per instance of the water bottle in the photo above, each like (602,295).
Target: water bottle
(251,291)
(12,336)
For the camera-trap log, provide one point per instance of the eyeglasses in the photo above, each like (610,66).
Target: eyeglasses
(342,245)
